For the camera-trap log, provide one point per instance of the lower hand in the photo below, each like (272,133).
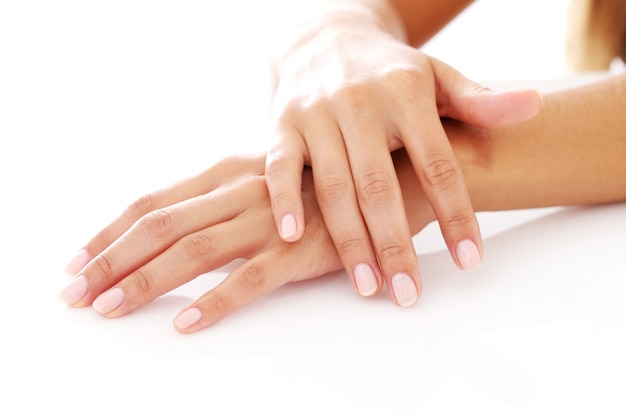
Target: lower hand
(168,238)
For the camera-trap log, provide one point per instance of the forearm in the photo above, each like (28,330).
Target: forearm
(316,18)
(572,153)
(409,21)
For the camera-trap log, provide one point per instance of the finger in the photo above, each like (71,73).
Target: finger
(283,172)
(381,204)
(338,204)
(191,256)
(247,283)
(180,191)
(464,100)
(441,179)
(152,234)
(275,266)
(115,229)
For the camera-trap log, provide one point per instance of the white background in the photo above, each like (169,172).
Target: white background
(101,102)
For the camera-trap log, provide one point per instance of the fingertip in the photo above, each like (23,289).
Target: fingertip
(405,290)
(365,280)
(516,106)
(187,320)
(529,102)
(74,292)
(288,228)
(80,260)
(468,255)
(109,301)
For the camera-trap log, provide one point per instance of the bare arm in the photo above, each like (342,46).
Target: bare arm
(572,153)
(410,21)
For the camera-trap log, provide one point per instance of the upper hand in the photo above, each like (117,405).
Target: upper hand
(345,99)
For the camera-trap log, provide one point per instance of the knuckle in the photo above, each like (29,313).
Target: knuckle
(351,94)
(355,98)
(145,204)
(276,164)
(283,199)
(142,280)
(406,79)
(375,187)
(216,301)
(252,277)
(440,172)
(330,186)
(470,108)
(101,241)
(278,184)
(197,247)
(103,266)
(394,249)
(157,224)
(457,220)
(401,76)
(477,89)
(289,113)
(351,245)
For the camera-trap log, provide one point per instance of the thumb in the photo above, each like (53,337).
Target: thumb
(462,99)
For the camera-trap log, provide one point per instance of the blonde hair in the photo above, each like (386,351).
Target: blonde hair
(597,34)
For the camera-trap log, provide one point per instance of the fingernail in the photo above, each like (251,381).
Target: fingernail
(365,279)
(287,226)
(75,291)
(404,289)
(468,255)
(108,301)
(188,318)
(81,259)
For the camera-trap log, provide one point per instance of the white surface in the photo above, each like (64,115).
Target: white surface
(99,104)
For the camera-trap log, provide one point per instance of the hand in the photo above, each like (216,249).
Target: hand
(170,237)
(346,97)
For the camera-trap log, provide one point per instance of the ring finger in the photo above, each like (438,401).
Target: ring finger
(381,204)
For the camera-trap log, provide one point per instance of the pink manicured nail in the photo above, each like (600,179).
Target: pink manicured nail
(188,318)
(468,254)
(81,259)
(287,226)
(365,279)
(75,291)
(108,301)
(404,289)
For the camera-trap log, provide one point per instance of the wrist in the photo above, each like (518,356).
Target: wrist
(333,23)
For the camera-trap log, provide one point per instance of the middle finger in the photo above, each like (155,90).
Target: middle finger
(337,201)
(381,203)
